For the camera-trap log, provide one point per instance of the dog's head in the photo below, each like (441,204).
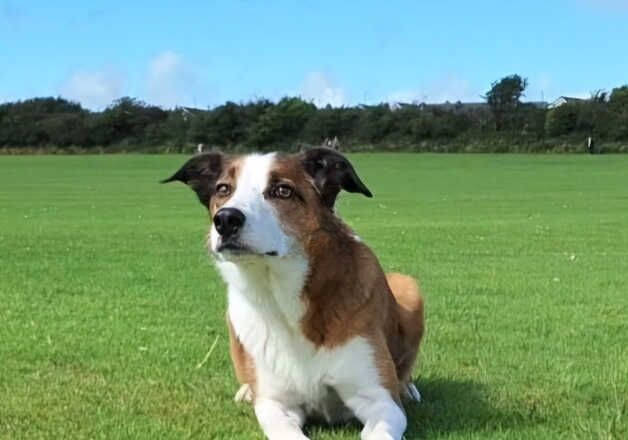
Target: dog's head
(268,205)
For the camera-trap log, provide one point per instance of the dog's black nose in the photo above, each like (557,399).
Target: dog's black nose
(229,221)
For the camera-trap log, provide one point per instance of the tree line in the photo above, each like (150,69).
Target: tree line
(502,122)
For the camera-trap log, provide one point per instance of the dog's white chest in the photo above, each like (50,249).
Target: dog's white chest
(265,311)
(289,367)
(284,359)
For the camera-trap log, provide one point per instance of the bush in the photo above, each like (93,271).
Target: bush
(503,124)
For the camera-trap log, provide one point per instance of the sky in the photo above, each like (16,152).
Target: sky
(344,52)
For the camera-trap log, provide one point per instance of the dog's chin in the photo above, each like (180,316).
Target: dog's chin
(233,250)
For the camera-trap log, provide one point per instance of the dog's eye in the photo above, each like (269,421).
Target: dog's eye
(223,189)
(283,192)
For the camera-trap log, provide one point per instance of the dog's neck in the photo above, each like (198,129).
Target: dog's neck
(269,283)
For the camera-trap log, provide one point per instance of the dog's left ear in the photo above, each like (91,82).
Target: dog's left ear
(332,172)
(200,173)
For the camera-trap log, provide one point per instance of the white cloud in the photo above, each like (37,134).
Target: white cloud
(170,81)
(93,89)
(449,88)
(321,90)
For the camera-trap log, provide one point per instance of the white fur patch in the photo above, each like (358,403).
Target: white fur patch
(262,230)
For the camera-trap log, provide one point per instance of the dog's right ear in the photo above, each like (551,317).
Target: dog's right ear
(200,173)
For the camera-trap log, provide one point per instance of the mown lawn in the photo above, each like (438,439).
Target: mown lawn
(109,302)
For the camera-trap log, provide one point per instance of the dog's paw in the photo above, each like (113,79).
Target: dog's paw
(244,394)
(412,393)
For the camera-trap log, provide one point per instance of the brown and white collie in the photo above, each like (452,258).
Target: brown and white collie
(316,327)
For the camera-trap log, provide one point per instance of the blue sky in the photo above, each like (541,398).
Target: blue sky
(203,53)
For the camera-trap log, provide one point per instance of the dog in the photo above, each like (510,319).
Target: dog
(317,330)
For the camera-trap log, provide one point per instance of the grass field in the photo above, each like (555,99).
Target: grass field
(109,303)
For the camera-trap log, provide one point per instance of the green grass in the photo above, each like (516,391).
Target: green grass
(108,301)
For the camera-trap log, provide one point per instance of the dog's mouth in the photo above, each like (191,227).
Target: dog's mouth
(233,247)
(236,248)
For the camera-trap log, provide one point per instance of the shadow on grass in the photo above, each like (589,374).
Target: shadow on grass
(449,406)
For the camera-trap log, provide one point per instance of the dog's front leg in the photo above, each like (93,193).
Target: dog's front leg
(382,417)
(278,420)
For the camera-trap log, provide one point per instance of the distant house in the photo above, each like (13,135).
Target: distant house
(565,100)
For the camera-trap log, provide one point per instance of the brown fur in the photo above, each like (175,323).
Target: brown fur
(348,295)
(229,176)
(411,322)
(243,364)
(347,292)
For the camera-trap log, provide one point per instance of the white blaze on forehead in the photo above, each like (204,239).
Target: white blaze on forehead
(262,230)
(253,177)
